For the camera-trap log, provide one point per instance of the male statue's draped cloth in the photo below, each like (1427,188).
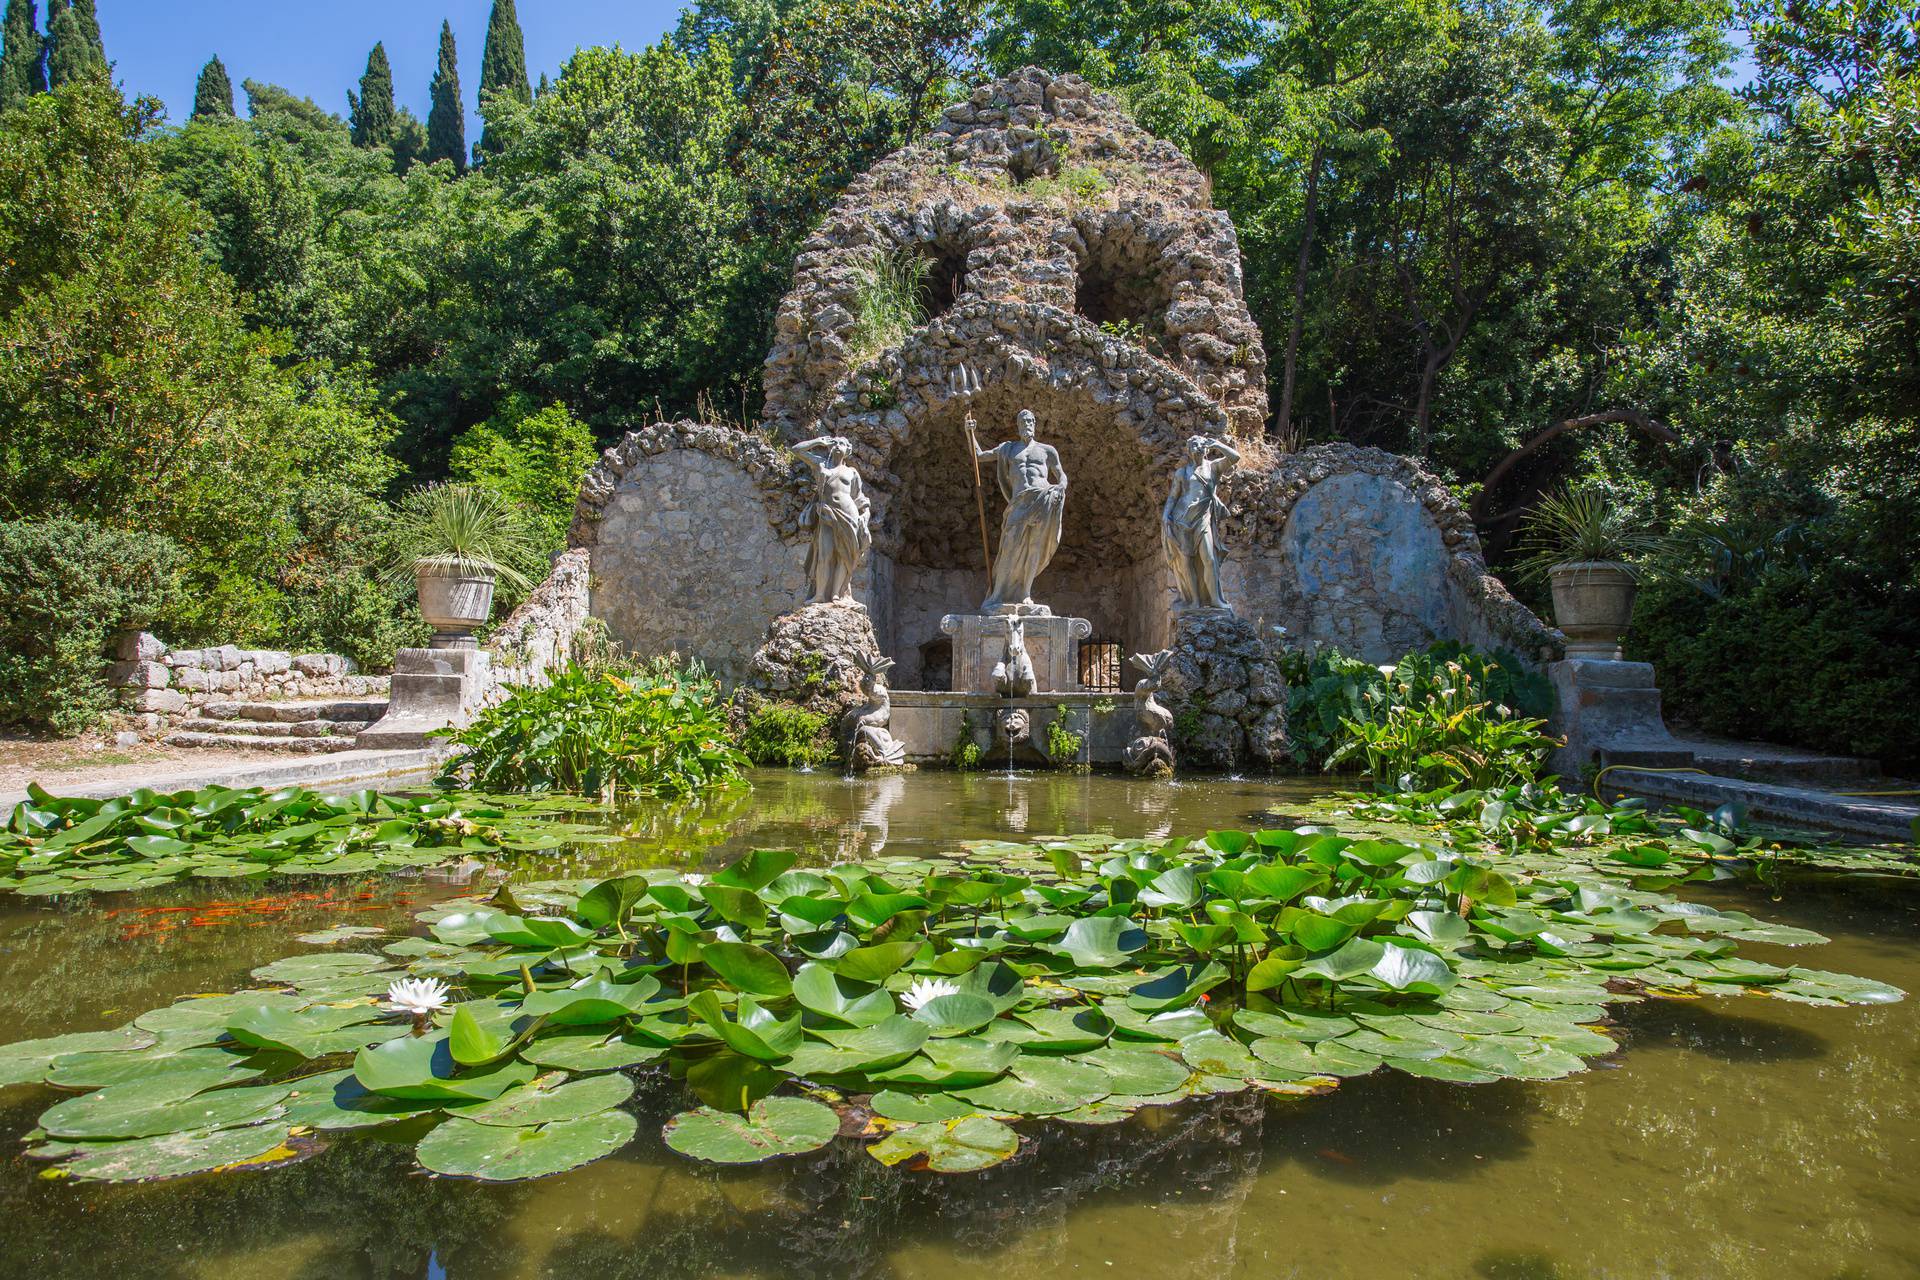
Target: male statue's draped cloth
(1034,484)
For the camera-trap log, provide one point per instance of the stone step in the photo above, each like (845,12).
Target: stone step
(1759,762)
(366,711)
(257,742)
(275,729)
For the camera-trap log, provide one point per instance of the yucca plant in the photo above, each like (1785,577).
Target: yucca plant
(460,530)
(1581,525)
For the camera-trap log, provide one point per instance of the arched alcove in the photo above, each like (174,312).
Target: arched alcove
(1120,280)
(1109,568)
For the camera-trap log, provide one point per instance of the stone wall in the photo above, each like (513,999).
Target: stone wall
(539,636)
(1364,551)
(693,542)
(158,684)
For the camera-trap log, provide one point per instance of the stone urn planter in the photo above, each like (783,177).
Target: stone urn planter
(454,603)
(1593,605)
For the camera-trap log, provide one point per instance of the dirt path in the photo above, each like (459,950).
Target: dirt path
(63,764)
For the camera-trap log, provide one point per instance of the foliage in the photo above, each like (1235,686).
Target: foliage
(460,530)
(74,55)
(966,755)
(503,71)
(1431,728)
(1327,689)
(133,394)
(1063,743)
(656,730)
(55,845)
(213,93)
(23,70)
(1791,654)
(1079,983)
(447,120)
(887,303)
(535,459)
(784,733)
(1581,525)
(371,111)
(69,587)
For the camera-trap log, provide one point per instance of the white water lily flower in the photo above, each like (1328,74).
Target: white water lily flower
(417,996)
(923,992)
(693,879)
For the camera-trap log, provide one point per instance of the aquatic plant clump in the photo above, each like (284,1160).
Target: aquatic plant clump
(928,1006)
(54,844)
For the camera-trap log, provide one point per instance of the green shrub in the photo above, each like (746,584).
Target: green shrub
(1805,658)
(535,458)
(1434,726)
(1063,744)
(604,731)
(350,611)
(1328,690)
(68,587)
(781,733)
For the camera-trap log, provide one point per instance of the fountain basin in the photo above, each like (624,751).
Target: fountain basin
(933,724)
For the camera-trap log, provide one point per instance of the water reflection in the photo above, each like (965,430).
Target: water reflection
(1732,1138)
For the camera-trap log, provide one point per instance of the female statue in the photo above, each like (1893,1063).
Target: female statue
(838,516)
(1190,522)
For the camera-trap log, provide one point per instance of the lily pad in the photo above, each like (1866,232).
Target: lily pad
(463,1148)
(774,1127)
(176,1155)
(550,1099)
(170,1102)
(965,1145)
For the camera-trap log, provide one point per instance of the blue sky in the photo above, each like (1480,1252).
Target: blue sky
(318,50)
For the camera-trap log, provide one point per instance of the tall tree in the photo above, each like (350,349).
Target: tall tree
(447,120)
(23,71)
(503,72)
(213,93)
(71,56)
(89,19)
(372,110)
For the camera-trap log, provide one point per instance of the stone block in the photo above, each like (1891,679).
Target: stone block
(320,665)
(192,658)
(223,681)
(270,661)
(1609,709)
(139,646)
(162,701)
(146,674)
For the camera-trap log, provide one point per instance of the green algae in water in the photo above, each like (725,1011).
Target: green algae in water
(932,1005)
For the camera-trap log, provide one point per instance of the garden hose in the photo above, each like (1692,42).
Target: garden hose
(1637,768)
(1642,768)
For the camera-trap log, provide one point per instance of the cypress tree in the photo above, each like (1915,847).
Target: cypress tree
(23,71)
(447,121)
(89,19)
(503,69)
(213,93)
(70,55)
(373,110)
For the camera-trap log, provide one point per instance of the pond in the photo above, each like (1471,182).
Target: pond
(1730,1138)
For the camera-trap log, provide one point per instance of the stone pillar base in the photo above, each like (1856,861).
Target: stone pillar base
(980,640)
(1609,713)
(431,689)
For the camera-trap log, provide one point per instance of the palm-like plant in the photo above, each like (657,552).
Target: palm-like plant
(460,530)
(1581,525)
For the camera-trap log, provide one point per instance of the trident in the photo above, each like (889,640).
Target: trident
(965,381)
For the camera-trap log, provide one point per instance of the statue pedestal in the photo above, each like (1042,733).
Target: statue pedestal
(980,640)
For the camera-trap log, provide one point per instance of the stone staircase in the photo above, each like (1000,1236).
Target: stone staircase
(298,728)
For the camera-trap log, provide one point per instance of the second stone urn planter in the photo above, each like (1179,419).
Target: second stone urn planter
(1593,605)
(453,603)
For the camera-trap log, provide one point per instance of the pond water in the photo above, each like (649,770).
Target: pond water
(1729,1138)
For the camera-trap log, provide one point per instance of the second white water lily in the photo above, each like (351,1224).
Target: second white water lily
(419,997)
(921,993)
